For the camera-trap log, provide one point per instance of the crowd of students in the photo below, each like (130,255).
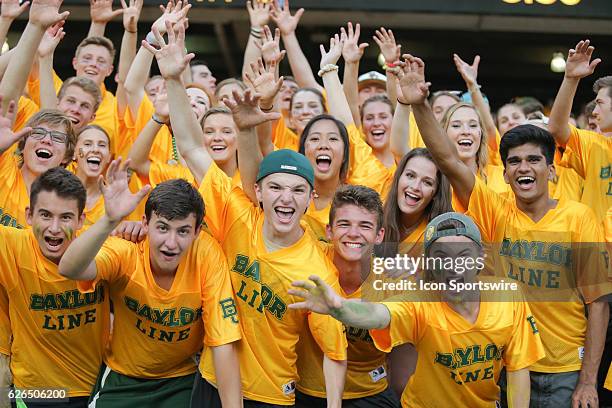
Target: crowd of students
(184,242)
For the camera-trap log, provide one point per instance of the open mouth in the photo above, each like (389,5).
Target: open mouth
(91,72)
(323,162)
(525,182)
(465,143)
(284,214)
(378,134)
(412,199)
(74,120)
(354,245)
(93,162)
(54,242)
(169,255)
(218,149)
(44,154)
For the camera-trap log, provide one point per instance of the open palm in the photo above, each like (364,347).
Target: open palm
(579,64)
(412,83)
(246,111)
(171,57)
(119,201)
(45,13)
(318,298)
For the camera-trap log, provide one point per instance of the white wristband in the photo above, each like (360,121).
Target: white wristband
(151,39)
(327,68)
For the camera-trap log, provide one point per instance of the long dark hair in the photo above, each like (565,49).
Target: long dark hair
(343,135)
(440,202)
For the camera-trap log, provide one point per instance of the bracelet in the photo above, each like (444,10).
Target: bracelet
(157,120)
(256,32)
(131,32)
(150,38)
(402,103)
(266,110)
(327,68)
(390,64)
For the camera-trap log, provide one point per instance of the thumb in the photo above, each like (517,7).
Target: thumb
(117,12)
(143,192)
(298,14)
(594,63)
(363,46)
(272,116)
(21,134)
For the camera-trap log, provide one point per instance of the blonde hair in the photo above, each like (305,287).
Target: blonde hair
(482,153)
(51,117)
(87,85)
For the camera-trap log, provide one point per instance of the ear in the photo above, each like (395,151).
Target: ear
(74,63)
(258,192)
(552,172)
(380,235)
(81,221)
(506,178)
(109,71)
(29,215)
(328,232)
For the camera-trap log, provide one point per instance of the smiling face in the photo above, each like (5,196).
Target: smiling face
(94,62)
(509,117)
(324,148)
(92,153)
(306,105)
(200,102)
(42,155)
(169,240)
(377,119)
(354,232)
(78,105)
(285,198)
(416,187)
(220,137)
(603,110)
(527,172)
(54,221)
(464,130)
(201,75)
(441,104)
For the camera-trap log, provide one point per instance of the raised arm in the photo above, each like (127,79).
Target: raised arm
(78,262)
(469,73)
(172,60)
(414,91)
(46,49)
(391,52)
(139,70)
(352,52)
(578,66)
(248,115)
(139,152)
(338,105)
(259,16)
(131,14)
(321,298)
(43,14)
(101,12)
(400,129)
(287,23)
(9,11)
(7,137)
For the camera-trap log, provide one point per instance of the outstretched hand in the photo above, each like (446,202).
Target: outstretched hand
(412,81)
(352,51)
(246,112)
(388,47)
(270,46)
(318,298)
(171,57)
(10,9)
(469,73)
(51,39)
(335,51)
(259,12)
(131,14)
(263,81)
(45,13)
(7,136)
(119,201)
(172,13)
(286,22)
(101,11)
(579,64)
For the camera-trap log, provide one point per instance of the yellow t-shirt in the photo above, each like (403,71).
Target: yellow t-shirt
(15,199)
(58,334)
(366,365)
(106,115)
(157,332)
(459,363)
(551,261)
(26,108)
(283,137)
(260,280)
(593,162)
(162,171)
(162,149)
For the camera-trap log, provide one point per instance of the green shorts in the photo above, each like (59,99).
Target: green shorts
(114,390)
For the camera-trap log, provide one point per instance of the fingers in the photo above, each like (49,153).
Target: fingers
(300,293)
(298,306)
(304,284)
(142,193)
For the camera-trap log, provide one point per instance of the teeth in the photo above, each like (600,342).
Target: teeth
(323,157)
(44,153)
(353,245)
(94,160)
(465,142)
(413,196)
(378,132)
(217,148)
(285,210)
(525,179)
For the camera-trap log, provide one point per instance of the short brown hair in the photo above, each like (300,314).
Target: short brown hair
(603,82)
(52,117)
(87,85)
(360,196)
(101,41)
(376,98)
(214,111)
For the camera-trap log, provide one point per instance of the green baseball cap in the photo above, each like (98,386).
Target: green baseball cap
(286,161)
(469,228)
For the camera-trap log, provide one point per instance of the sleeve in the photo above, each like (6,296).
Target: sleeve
(608,233)
(5,323)
(33,87)
(224,202)
(114,260)
(283,137)
(26,108)
(7,258)
(494,156)
(487,208)
(591,264)
(580,144)
(364,168)
(525,346)
(416,140)
(403,327)
(219,311)
(138,121)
